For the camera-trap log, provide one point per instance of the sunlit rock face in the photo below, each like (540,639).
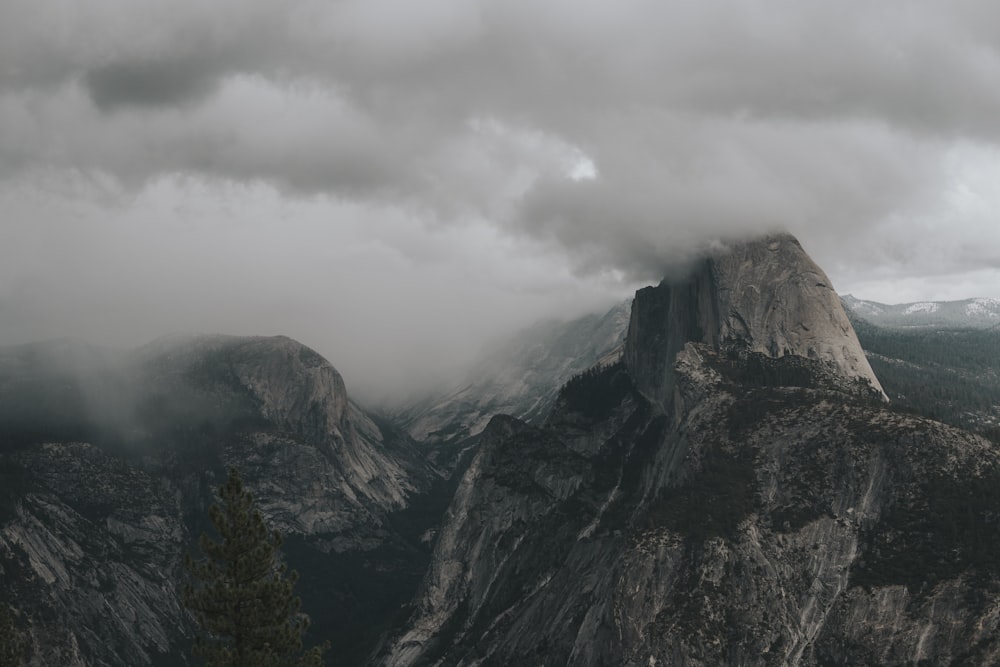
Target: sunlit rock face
(93,535)
(736,492)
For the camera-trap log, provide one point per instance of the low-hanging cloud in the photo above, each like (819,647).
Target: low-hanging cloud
(620,137)
(177,82)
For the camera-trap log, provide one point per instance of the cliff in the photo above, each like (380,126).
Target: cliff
(732,489)
(736,492)
(764,296)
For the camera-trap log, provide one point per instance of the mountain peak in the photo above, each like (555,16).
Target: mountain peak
(765,296)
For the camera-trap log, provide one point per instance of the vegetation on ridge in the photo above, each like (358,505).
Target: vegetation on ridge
(951,375)
(597,391)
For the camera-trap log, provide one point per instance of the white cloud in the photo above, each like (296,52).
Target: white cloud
(394,305)
(514,158)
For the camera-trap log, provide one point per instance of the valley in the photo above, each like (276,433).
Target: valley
(732,468)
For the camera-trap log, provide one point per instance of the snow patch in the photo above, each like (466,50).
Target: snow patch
(984,308)
(862,306)
(870,308)
(922,307)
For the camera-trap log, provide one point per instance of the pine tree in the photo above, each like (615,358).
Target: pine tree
(242,597)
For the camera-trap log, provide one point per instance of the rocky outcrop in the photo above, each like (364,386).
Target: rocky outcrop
(315,461)
(92,559)
(765,525)
(731,489)
(765,296)
(736,492)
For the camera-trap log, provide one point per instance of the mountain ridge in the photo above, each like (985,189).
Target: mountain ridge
(716,499)
(721,482)
(977,313)
(106,505)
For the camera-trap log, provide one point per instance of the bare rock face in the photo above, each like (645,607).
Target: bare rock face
(763,296)
(735,492)
(314,460)
(297,389)
(91,557)
(756,524)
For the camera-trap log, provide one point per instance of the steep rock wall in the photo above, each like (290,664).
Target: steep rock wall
(736,492)
(766,525)
(765,296)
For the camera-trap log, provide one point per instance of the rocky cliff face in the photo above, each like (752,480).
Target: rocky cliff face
(93,532)
(765,296)
(737,492)
(91,557)
(732,488)
(314,460)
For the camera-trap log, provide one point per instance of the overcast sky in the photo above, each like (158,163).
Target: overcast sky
(393,182)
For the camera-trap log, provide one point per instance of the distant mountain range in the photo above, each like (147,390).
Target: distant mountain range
(982,313)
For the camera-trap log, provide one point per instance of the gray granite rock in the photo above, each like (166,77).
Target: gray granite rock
(737,492)
(765,296)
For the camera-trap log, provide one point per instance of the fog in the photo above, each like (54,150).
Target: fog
(395,184)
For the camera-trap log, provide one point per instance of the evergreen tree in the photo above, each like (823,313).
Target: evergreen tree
(11,641)
(242,596)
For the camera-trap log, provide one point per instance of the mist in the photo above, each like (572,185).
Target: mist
(395,185)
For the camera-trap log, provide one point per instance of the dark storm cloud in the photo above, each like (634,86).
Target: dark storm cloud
(558,66)
(379,96)
(400,83)
(172,82)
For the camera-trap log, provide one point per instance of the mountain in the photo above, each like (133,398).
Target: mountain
(520,376)
(767,297)
(293,415)
(109,461)
(735,490)
(711,475)
(981,313)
